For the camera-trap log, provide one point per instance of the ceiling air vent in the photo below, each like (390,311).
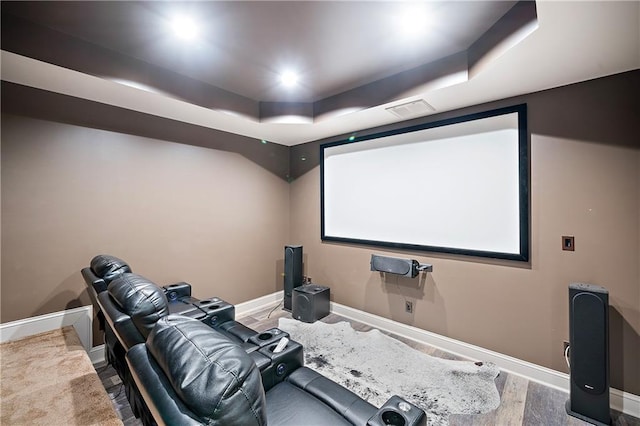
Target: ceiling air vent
(412,109)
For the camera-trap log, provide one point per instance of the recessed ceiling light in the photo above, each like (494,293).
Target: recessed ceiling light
(289,78)
(413,20)
(184,27)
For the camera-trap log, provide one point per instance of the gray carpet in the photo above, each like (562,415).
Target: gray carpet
(376,366)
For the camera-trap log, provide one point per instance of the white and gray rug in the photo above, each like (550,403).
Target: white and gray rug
(376,366)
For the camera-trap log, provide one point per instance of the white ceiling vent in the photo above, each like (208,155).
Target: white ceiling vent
(411,109)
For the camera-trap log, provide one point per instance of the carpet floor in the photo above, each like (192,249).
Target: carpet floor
(48,379)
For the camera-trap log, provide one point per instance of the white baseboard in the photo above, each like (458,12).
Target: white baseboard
(96,355)
(251,306)
(625,402)
(80,318)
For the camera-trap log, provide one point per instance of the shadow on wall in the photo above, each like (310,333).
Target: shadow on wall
(623,339)
(599,111)
(36,103)
(403,294)
(97,332)
(63,297)
(279,279)
(401,291)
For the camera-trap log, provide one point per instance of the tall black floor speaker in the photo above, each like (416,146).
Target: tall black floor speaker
(589,348)
(292,273)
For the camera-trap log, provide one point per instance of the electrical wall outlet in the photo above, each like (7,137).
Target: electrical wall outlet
(568,243)
(408,306)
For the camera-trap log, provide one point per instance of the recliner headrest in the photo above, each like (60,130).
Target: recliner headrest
(212,375)
(108,267)
(141,299)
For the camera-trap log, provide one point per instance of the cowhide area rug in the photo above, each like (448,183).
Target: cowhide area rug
(376,367)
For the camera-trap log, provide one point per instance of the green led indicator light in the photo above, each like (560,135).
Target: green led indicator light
(352,138)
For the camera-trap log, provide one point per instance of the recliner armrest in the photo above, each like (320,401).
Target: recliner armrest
(353,408)
(282,363)
(177,290)
(93,281)
(398,411)
(261,360)
(241,331)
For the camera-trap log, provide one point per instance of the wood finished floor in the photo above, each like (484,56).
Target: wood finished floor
(523,402)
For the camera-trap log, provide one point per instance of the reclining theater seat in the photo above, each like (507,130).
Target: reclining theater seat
(140,299)
(209,379)
(102,270)
(189,373)
(108,268)
(132,305)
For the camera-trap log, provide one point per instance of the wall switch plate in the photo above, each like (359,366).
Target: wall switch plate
(568,243)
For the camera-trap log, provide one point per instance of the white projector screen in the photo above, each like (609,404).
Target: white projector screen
(456,186)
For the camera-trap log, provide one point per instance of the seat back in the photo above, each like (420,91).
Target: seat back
(103,269)
(108,267)
(212,376)
(139,298)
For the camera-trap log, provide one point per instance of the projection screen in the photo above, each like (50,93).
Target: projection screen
(456,186)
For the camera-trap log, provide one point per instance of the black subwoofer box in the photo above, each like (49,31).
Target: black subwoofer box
(589,353)
(310,302)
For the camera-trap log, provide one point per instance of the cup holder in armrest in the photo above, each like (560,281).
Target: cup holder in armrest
(177,291)
(213,302)
(398,412)
(268,337)
(217,311)
(282,363)
(393,418)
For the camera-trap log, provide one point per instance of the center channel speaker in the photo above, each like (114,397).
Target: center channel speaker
(589,348)
(394,265)
(292,273)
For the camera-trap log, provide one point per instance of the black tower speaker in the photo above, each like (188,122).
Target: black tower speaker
(310,302)
(292,272)
(589,346)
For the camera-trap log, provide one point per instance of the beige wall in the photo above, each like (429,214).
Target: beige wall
(175,212)
(586,185)
(217,220)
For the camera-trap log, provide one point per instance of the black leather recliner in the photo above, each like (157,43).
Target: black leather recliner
(133,304)
(190,374)
(136,310)
(102,270)
(121,333)
(129,305)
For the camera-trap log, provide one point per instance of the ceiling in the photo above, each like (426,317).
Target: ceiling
(353,59)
